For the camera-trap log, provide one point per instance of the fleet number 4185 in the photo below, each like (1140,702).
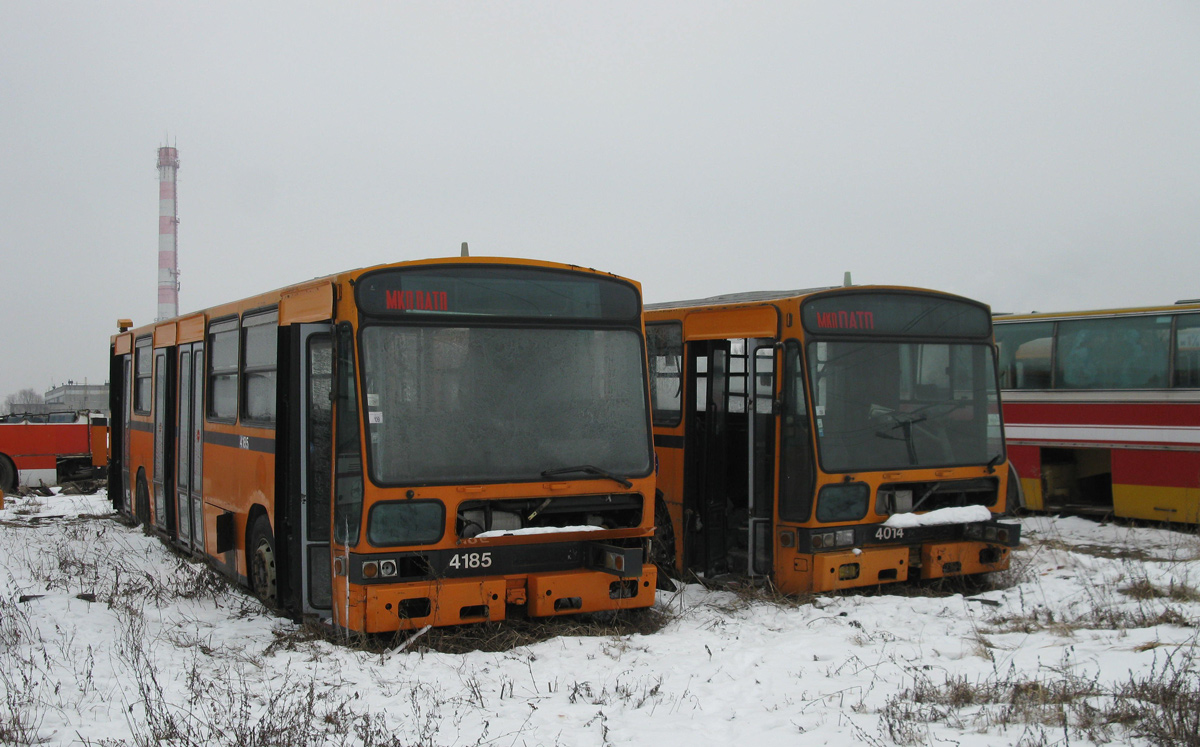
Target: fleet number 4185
(469,560)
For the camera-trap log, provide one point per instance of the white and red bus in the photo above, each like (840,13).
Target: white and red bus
(48,449)
(1102,410)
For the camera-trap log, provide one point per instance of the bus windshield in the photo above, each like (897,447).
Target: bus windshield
(892,405)
(467,404)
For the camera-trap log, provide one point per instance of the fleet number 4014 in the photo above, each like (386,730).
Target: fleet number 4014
(887,533)
(469,560)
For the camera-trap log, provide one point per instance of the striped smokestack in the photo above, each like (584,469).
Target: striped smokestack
(168,239)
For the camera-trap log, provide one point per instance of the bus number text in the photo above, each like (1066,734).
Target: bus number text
(887,533)
(470,560)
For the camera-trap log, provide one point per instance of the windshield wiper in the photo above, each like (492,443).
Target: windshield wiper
(588,469)
(991,465)
(904,423)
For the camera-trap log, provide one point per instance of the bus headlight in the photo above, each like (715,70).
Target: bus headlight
(370,569)
(845,537)
(387,568)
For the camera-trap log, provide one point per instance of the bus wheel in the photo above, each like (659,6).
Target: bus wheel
(141,514)
(8,475)
(262,561)
(663,552)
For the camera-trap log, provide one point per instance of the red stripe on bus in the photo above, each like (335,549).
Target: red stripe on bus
(1093,413)
(1170,469)
(35,461)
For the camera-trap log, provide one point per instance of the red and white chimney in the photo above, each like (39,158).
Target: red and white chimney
(168,238)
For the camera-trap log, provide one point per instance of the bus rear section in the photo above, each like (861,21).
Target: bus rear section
(49,449)
(427,443)
(829,439)
(1103,410)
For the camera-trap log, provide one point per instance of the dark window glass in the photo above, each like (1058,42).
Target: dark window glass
(143,364)
(1113,353)
(160,425)
(664,347)
(1187,351)
(348,482)
(1025,354)
(493,404)
(872,313)
(223,370)
(843,502)
(520,292)
(890,405)
(797,469)
(260,343)
(184,438)
(406,523)
(198,424)
(320,435)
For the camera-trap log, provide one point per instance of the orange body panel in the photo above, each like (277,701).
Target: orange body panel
(99,442)
(961,559)
(593,590)
(758,321)
(165,334)
(191,328)
(312,304)
(847,570)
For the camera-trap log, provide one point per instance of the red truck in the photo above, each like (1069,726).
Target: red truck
(48,449)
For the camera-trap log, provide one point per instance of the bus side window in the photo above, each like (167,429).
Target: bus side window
(223,370)
(664,343)
(1113,353)
(260,333)
(1025,354)
(143,359)
(1187,351)
(796,469)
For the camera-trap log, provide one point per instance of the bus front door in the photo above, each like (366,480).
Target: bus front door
(760,477)
(315,467)
(190,448)
(164,384)
(729,472)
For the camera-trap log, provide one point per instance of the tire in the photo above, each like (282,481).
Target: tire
(663,546)
(260,552)
(141,514)
(8,475)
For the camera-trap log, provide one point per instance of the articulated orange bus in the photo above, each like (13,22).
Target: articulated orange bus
(424,443)
(829,438)
(1103,409)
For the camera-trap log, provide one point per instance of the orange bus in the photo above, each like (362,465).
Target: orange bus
(829,438)
(1103,409)
(423,443)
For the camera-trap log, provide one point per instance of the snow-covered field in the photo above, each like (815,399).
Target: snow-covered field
(106,637)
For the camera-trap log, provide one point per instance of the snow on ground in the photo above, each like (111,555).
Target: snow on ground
(107,637)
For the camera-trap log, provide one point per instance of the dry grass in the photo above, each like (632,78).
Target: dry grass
(1162,706)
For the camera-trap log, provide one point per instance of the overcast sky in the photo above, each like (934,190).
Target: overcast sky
(1030,155)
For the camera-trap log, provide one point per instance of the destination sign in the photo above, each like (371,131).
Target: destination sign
(496,290)
(886,313)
